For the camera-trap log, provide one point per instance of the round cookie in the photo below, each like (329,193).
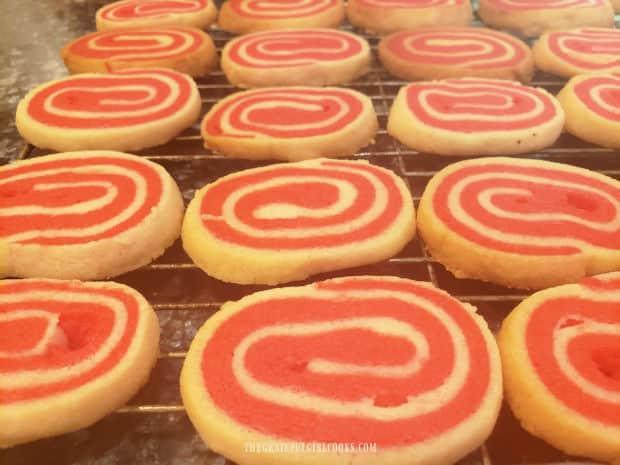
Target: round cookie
(308,57)
(85,215)
(128,110)
(243,16)
(286,222)
(387,16)
(133,14)
(561,360)
(592,107)
(533,17)
(351,361)
(521,223)
(578,51)
(451,52)
(70,353)
(290,123)
(474,116)
(185,49)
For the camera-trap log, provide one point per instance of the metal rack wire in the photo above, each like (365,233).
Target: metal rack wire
(184,297)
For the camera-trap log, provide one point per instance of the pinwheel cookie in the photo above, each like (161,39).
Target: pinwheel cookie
(592,107)
(70,353)
(311,57)
(561,359)
(290,123)
(386,16)
(448,52)
(533,17)
(578,51)
(286,222)
(185,49)
(127,110)
(243,16)
(130,14)
(381,360)
(473,116)
(522,223)
(85,215)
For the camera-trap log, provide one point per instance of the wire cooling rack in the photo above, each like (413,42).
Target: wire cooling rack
(153,428)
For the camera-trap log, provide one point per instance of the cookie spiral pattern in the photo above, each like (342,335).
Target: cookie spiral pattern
(280,9)
(357,356)
(409,3)
(129,10)
(62,345)
(294,48)
(67,200)
(284,113)
(566,341)
(466,47)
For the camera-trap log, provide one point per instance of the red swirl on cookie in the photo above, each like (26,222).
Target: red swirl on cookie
(573,342)
(279,9)
(138,44)
(318,203)
(588,49)
(475,48)
(138,9)
(285,113)
(601,95)
(409,3)
(56,336)
(529,207)
(377,359)
(545,4)
(66,200)
(115,100)
(291,48)
(476,105)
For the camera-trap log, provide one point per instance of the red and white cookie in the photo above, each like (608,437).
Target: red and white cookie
(290,123)
(474,116)
(133,14)
(592,107)
(309,57)
(449,52)
(185,49)
(386,16)
(578,51)
(243,16)
(522,223)
(85,215)
(561,360)
(286,222)
(127,110)
(70,353)
(357,360)
(533,17)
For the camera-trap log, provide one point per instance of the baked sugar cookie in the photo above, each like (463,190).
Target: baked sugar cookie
(386,16)
(578,51)
(243,16)
(185,49)
(70,353)
(592,106)
(290,123)
(286,222)
(130,14)
(128,110)
(474,116)
(449,52)
(370,359)
(522,223)
(561,360)
(533,17)
(309,57)
(85,215)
